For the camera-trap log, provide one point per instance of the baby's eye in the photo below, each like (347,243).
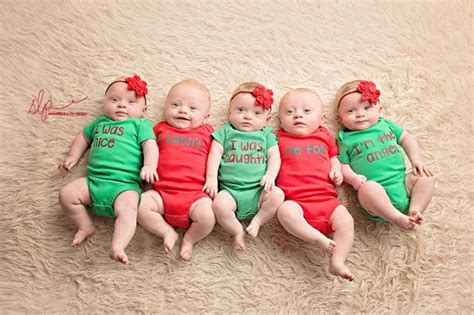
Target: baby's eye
(368,107)
(174,105)
(351,111)
(132,101)
(289,111)
(193,108)
(240,109)
(307,111)
(114,99)
(258,113)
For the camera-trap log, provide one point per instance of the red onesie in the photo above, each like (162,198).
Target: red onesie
(304,175)
(181,169)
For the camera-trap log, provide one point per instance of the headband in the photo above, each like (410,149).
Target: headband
(368,91)
(263,96)
(134,83)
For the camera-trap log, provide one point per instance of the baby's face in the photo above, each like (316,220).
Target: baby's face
(300,113)
(244,115)
(356,114)
(120,103)
(186,106)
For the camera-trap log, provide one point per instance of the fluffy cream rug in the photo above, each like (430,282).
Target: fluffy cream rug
(420,54)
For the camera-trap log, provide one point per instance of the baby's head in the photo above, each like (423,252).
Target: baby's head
(250,106)
(358,106)
(187,104)
(300,112)
(125,98)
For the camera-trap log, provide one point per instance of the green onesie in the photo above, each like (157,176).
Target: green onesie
(115,159)
(375,153)
(243,165)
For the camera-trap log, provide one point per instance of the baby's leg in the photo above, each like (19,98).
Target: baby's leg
(290,215)
(343,226)
(269,203)
(203,219)
(224,207)
(150,216)
(374,199)
(126,208)
(421,189)
(73,198)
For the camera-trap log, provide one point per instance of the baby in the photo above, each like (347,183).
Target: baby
(177,199)
(308,176)
(245,158)
(373,162)
(121,143)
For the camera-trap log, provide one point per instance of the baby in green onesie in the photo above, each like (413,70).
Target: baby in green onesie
(123,152)
(245,158)
(373,162)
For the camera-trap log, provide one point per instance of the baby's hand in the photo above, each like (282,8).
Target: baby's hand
(420,168)
(68,163)
(210,187)
(268,182)
(148,174)
(361,179)
(336,177)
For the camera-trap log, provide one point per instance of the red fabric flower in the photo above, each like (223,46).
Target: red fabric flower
(263,96)
(369,91)
(136,84)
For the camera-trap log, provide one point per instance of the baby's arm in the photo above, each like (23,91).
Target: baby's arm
(213,162)
(351,177)
(336,171)
(78,146)
(413,150)
(274,162)
(150,161)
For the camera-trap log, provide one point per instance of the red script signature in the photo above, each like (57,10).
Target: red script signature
(45,108)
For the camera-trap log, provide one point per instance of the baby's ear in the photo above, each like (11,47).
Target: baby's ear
(269,115)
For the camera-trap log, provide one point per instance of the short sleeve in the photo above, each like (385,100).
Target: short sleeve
(343,155)
(397,130)
(332,147)
(219,134)
(145,131)
(88,130)
(270,136)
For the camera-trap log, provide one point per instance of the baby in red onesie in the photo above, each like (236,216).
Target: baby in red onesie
(177,199)
(308,176)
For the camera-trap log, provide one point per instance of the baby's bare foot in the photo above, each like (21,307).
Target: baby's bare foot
(239,242)
(340,270)
(405,222)
(417,216)
(186,249)
(119,255)
(326,244)
(169,239)
(81,235)
(253,229)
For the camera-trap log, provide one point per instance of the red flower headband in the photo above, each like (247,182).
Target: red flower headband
(263,96)
(368,91)
(134,83)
